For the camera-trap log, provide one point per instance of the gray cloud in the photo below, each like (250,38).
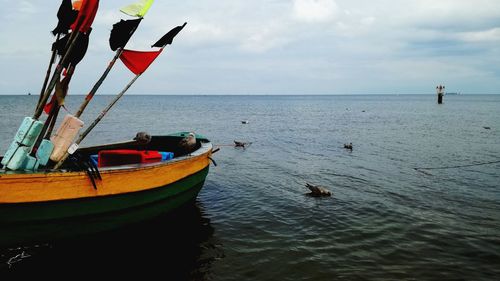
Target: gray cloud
(276,47)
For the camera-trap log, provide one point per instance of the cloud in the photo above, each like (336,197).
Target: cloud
(199,32)
(490,35)
(314,10)
(275,46)
(267,36)
(368,21)
(26,7)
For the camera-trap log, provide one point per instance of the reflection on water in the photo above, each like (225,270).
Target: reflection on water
(180,245)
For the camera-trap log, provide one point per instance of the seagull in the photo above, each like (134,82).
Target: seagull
(318,190)
(239,143)
(142,137)
(188,143)
(348,146)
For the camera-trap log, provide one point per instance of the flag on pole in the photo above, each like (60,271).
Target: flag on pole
(121,33)
(138,9)
(138,61)
(66,16)
(169,37)
(60,94)
(77,4)
(79,50)
(86,16)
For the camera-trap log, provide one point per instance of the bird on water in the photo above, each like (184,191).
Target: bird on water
(318,190)
(241,144)
(348,146)
(188,143)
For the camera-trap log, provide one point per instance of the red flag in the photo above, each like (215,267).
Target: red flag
(60,93)
(48,107)
(138,61)
(86,16)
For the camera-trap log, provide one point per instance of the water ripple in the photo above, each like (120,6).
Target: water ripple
(384,221)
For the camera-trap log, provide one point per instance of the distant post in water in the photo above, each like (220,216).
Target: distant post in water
(440,93)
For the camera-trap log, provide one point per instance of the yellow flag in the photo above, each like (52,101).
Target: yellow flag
(138,9)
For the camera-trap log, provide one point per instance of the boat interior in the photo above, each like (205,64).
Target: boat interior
(155,149)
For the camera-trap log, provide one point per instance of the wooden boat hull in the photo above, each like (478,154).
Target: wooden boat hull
(52,205)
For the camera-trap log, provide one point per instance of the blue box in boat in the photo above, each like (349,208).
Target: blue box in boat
(166,155)
(94,158)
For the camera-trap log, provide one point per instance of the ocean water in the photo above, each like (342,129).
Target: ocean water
(418,197)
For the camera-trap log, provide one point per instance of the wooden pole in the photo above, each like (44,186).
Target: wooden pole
(55,77)
(46,95)
(92,92)
(52,117)
(49,70)
(96,121)
(96,86)
(440,93)
(105,111)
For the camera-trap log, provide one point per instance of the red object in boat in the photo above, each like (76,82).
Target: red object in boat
(127,156)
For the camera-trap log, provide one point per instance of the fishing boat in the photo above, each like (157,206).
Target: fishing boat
(51,204)
(52,188)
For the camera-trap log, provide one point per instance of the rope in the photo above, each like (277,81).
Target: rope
(223,145)
(459,166)
(17,258)
(239,144)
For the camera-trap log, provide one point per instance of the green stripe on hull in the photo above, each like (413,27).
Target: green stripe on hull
(71,218)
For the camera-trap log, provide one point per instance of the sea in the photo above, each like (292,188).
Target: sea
(417,197)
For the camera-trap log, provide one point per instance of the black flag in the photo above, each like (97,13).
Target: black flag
(169,37)
(66,16)
(121,33)
(80,48)
(78,51)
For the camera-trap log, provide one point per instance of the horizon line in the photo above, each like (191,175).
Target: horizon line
(355,94)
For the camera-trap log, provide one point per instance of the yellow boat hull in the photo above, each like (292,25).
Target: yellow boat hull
(40,206)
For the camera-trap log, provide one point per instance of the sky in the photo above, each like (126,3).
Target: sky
(272,47)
